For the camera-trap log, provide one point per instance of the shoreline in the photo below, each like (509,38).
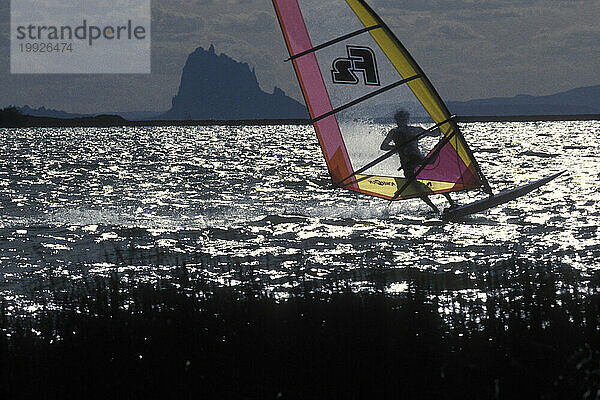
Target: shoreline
(529,118)
(111,121)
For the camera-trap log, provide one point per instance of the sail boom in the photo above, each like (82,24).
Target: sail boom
(433,154)
(369,165)
(392,152)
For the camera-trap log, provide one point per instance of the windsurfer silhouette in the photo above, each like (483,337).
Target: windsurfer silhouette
(406,142)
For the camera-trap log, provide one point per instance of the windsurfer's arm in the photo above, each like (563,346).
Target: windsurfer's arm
(387,142)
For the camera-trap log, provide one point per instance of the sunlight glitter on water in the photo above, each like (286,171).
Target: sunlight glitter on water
(216,197)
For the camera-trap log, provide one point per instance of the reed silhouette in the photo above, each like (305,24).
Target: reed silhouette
(513,329)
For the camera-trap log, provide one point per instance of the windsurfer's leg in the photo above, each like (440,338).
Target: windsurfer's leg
(430,204)
(452,202)
(418,187)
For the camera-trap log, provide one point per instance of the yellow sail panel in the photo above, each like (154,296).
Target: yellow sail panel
(386,186)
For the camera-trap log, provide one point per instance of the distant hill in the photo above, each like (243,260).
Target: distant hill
(216,87)
(50,113)
(585,100)
(12,117)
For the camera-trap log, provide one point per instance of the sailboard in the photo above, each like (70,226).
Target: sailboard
(497,199)
(350,64)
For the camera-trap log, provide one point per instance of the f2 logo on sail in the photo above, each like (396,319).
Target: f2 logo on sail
(360,60)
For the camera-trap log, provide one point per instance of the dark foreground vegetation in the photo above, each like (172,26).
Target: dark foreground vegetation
(508,331)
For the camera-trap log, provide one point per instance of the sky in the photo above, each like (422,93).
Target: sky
(470,49)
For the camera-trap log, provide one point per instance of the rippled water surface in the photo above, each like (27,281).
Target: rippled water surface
(221,199)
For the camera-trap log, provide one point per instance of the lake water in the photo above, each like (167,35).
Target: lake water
(145,201)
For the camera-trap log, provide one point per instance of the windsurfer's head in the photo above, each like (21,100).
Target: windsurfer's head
(402,117)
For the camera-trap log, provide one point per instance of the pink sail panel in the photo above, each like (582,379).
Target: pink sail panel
(447,166)
(314,89)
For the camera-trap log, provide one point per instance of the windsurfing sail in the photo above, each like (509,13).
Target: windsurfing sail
(351,66)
